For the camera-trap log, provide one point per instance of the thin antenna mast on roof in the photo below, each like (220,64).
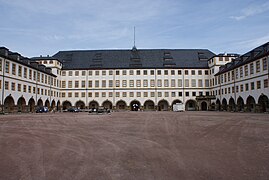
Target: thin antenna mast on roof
(134,48)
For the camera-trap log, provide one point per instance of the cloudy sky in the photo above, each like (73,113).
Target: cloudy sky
(44,27)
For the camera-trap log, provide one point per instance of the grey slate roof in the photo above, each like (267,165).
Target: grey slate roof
(257,53)
(137,59)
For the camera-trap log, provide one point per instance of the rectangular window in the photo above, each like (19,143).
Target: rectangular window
(117,83)
(131,94)
(200,83)
(89,94)
(173,83)
(76,74)
(236,74)
(110,72)
(29,89)
(19,87)
(7,67)
(206,83)
(172,72)
(193,93)
(90,73)
(70,73)
(159,94)
(241,72)
(124,94)
(84,74)
(131,83)
(165,72)
(252,85)
(193,83)
(179,72)
(110,83)
(145,94)
(151,72)
(96,94)
(97,82)
(166,83)
(246,87)
(187,83)
(83,84)
(63,84)
(117,94)
(30,74)
(117,72)
(13,69)
(13,86)
(152,83)
(70,94)
(264,64)
(110,94)
(180,94)
(24,88)
(159,83)
(124,72)
(246,70)
(180,83)
(104,73)
(124,83)
(173,94)
(20,71)
(206,72)
(241,88)
(103,94)
(138,72)
(63,73)
(1,65)
(258,84)
(96,73)
(159,72)
(192,72)
(76,84)
(152,94)
(70,84)
(145,83)
(138,94)
(187,94)
(265,83)
(166,94)
(138,83)
(186,72)
(83,94)
(103,83)
(131,72)
(236,88)
(199,72)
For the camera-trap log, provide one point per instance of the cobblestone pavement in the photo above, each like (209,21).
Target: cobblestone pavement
(134,145)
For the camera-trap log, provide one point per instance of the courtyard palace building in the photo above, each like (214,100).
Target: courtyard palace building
(136,79)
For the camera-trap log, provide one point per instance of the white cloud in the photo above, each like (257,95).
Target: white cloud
(252,11)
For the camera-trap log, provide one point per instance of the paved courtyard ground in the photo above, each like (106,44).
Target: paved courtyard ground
(135,145)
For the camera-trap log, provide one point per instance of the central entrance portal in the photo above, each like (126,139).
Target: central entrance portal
(135,106)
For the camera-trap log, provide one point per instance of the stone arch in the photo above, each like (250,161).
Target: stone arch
(58,105)
(176,101)
(21,104)
(40,103)
(31,104)
(240,104)
(47,103)
(9,104)
(53,104)
(204,106)
(213,106)
(250,104)
(191,105)
(80,104)
(93,105)
(149,105)
(218,105)
(224,104)
(66,105)
(163,105)
(263,103)
(232,106)
(135,105)
(107,104)
(121,105)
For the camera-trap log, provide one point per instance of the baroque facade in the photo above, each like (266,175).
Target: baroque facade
(136,79)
